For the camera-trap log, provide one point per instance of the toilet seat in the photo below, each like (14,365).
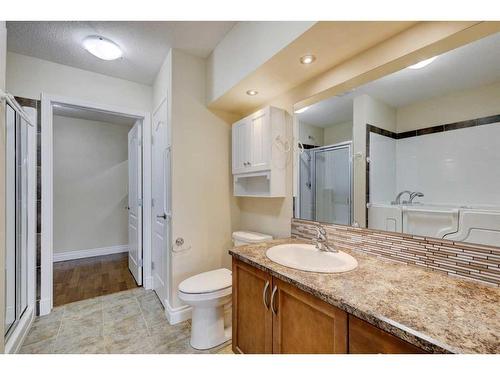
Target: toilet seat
(207,283)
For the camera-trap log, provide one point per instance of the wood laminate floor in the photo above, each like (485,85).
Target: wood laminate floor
(76,280)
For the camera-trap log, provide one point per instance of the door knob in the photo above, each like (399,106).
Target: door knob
(164,216)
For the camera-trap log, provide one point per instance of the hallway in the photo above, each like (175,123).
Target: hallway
(79,279)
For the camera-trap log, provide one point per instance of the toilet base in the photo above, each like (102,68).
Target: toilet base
(207,327)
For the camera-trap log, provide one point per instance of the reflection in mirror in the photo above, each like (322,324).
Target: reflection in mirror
(325,144)
(420,148)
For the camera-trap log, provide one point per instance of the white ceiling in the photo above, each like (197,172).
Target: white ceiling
(470,66)
(145,44)
(91,115)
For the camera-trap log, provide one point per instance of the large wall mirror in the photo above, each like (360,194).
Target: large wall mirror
(416,152)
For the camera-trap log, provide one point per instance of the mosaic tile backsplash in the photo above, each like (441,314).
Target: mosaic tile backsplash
(457,259)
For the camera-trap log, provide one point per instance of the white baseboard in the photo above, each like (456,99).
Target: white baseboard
(16,339)
(177,314)
(78,254)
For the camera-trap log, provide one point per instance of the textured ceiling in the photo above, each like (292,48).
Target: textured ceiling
(473,65)
(144,44)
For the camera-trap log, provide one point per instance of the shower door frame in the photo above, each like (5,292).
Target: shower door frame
(47,203)
(313,151)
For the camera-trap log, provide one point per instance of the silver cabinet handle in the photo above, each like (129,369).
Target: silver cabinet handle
(264,295)
(275,312)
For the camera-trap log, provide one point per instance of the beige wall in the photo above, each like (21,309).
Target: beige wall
(90,184)
(3,52)
(202,201)
(29,76)
(338,133)
(453,107)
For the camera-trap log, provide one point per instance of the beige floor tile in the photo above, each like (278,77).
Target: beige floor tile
(125,309)
(164,334)
(132,325)
(117,299)
(41,330)
(152,310)
(81,308)
(80,345)
(40,347)
(85,324)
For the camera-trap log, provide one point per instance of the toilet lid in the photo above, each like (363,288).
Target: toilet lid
(207,282)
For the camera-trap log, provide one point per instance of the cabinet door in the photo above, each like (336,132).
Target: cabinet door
(241,146)
(304,324)
(260,142)
(365,338)
(252,318)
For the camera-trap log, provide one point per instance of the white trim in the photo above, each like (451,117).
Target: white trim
(87,253)
(47,187)
(177,314)
(17,337)
(147,282)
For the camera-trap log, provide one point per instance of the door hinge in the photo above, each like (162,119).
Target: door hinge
(152,202)
(152,140)
(152,266)
(140,263)
(139,203)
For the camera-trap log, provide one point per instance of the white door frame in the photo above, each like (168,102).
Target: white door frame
(48,101)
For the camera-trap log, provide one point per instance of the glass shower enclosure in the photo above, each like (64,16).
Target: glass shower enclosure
(325,184)
(16,257)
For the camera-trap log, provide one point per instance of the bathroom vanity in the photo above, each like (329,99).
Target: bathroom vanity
(380,307)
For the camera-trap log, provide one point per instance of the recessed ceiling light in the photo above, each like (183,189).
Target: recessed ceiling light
(301,110)
(307,59)
(102,48)
(423,63)
(252,92)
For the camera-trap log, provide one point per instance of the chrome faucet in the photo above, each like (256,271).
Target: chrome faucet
(398,197)
(321,240)
(414,195)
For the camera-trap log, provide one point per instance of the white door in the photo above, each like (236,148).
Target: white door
(161,202)
(135,202)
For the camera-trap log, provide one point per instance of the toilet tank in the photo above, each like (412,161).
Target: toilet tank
(241,238)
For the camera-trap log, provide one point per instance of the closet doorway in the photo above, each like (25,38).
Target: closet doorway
(95,232)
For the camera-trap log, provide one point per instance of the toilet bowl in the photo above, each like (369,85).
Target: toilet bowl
(208,294)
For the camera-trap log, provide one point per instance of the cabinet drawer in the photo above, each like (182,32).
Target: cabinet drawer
(364,338)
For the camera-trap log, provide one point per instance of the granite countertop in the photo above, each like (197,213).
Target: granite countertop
(436,312)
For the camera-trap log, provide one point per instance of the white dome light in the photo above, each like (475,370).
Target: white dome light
(422,64)
(102,48)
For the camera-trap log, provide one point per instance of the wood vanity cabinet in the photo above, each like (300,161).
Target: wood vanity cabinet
(365,338)
(296,322)
(272,316)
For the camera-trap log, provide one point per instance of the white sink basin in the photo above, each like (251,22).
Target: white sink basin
(307,258)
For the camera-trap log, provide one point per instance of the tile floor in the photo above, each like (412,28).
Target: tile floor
(127,322)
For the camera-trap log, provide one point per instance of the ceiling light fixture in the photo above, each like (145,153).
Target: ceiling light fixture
(307,59)
(423,64)
(301,110)
(102,48)
(252,92)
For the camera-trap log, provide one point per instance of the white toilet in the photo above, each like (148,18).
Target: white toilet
(208,293)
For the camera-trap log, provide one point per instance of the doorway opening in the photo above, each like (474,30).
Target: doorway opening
(95,232)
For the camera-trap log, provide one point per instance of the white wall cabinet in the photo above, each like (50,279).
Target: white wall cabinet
(260,154)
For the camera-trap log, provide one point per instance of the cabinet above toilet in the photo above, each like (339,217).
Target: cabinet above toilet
(260,154)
